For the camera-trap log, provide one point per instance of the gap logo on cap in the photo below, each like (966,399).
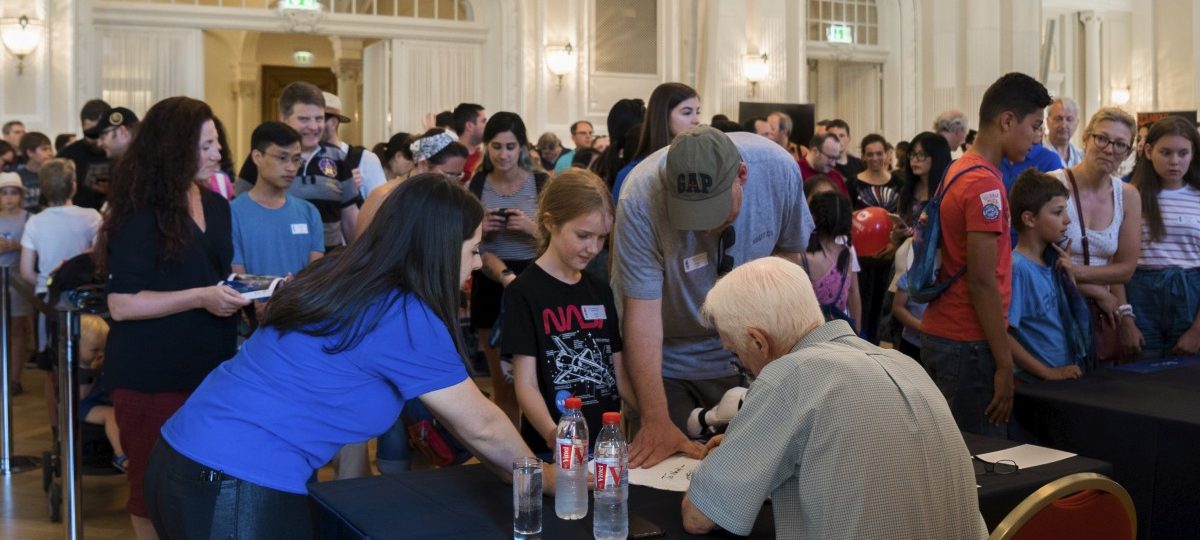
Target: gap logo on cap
(693,183)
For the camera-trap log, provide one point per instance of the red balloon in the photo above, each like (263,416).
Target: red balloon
(871,231)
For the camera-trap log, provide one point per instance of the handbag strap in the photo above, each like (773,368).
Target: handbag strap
(1083,239)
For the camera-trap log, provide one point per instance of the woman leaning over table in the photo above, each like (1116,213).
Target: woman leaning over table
(343,346)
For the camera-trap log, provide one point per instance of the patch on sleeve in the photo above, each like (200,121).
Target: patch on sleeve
(992,201)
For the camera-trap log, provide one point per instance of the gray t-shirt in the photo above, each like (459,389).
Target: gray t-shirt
(652,260)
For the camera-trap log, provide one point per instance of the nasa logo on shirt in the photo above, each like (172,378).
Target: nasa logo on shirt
(328,167)
(991,204)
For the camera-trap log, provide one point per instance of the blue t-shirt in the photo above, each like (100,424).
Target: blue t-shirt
(283,407)
(564,161)
(274,242)
(620,179)
(1034,317)
(1039,157)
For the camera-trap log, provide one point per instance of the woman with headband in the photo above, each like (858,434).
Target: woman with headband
(437,150)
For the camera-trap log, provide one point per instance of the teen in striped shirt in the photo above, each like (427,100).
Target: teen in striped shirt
(1164,293)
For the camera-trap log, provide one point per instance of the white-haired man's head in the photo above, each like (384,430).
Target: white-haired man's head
(762,309)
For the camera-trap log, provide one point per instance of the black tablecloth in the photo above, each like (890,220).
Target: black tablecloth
(469,502)
(1146,424)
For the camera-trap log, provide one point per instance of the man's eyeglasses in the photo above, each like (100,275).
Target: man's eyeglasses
(1003,466)
(725,262)
(1103,142)
(287,159)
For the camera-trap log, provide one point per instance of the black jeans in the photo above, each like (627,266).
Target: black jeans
(187,500)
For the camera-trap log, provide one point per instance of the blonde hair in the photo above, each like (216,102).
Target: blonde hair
(771,294)
(56,180)
(574,192)
(1111,114)
(94,327)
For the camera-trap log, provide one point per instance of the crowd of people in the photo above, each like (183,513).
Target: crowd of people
(703,279)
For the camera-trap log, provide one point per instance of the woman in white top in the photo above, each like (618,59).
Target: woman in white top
(1112,215)
(1165,289)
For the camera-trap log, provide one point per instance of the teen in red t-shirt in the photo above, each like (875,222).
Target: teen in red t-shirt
(966,342)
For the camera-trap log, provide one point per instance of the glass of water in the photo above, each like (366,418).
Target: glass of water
(527,496)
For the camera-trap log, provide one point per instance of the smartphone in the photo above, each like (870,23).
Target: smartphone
(640,527)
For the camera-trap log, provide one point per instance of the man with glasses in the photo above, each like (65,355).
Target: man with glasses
(114,132)
(582,134)
(688,214)
(275,234)
(825,149)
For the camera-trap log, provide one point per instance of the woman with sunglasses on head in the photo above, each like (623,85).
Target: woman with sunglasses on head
(343,346)
(434,151)
(1165,290)
(1111,213)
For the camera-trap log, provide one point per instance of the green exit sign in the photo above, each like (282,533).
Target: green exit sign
(839,33)
(312,5)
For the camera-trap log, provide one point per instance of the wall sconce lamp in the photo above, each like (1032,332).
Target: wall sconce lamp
(21,36)
(755,69)
(560,60)
(1120,96)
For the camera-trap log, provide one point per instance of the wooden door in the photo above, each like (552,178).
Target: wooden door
(276,78)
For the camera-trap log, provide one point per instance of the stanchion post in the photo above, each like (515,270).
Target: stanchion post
(68,417)
(9,463)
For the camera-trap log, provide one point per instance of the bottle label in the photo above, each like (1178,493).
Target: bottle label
(571,454)
(608,473)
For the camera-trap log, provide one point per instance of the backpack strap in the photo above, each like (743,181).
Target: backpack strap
(354,157)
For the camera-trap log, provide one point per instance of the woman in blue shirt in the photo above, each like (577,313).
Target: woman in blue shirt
(342,347)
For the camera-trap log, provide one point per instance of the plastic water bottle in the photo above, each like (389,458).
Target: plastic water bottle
(570,497)
(611,520)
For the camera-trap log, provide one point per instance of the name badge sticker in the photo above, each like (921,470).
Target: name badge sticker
(695,262)
(594,313)
(299,228)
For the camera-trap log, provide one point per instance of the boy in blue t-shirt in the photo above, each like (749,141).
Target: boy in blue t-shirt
(1043,334)
(274,234)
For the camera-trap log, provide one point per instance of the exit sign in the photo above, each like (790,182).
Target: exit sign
(309,5)
(839,33)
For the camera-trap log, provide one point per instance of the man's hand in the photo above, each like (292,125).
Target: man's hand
(1000,409)
(656,441)
(358,179)
(713,443)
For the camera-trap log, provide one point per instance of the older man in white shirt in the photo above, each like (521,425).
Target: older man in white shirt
(848,440)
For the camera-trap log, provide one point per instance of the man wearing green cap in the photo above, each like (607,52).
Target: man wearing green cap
(689,214)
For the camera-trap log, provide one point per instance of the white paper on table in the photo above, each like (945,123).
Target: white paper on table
(1027,455)
(671,474)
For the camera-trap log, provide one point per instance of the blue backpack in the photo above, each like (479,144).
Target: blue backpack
(923,285)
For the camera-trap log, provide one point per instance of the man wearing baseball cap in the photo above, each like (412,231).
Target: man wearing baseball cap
(365,165)
(114,131)
(689,214)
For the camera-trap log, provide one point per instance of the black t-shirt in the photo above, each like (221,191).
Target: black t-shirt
(571,331)
(91,167)
(172,353)
(885,196)
(851,169)
(325,181)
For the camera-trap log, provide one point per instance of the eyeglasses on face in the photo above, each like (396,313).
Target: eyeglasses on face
(918,156)
(1102,141)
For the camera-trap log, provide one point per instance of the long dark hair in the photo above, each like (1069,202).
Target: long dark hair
(506,122)
(411,246)
(156,173)
(832,218)
(1146,179)
(656,127)
(623,115)
(939,155)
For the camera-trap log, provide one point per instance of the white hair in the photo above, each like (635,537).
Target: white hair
(950,121)
(770,294)
(1067,103)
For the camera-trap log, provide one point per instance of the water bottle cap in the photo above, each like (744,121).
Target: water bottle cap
(574,403)
(612,418)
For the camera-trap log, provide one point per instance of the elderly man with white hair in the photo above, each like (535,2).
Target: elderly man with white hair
(848,440)
(1062,118)
(953,126)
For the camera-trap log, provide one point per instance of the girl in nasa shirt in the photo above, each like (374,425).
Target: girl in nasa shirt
(560,323)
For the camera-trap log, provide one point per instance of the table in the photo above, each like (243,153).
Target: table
(1146,424)
(468,502)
